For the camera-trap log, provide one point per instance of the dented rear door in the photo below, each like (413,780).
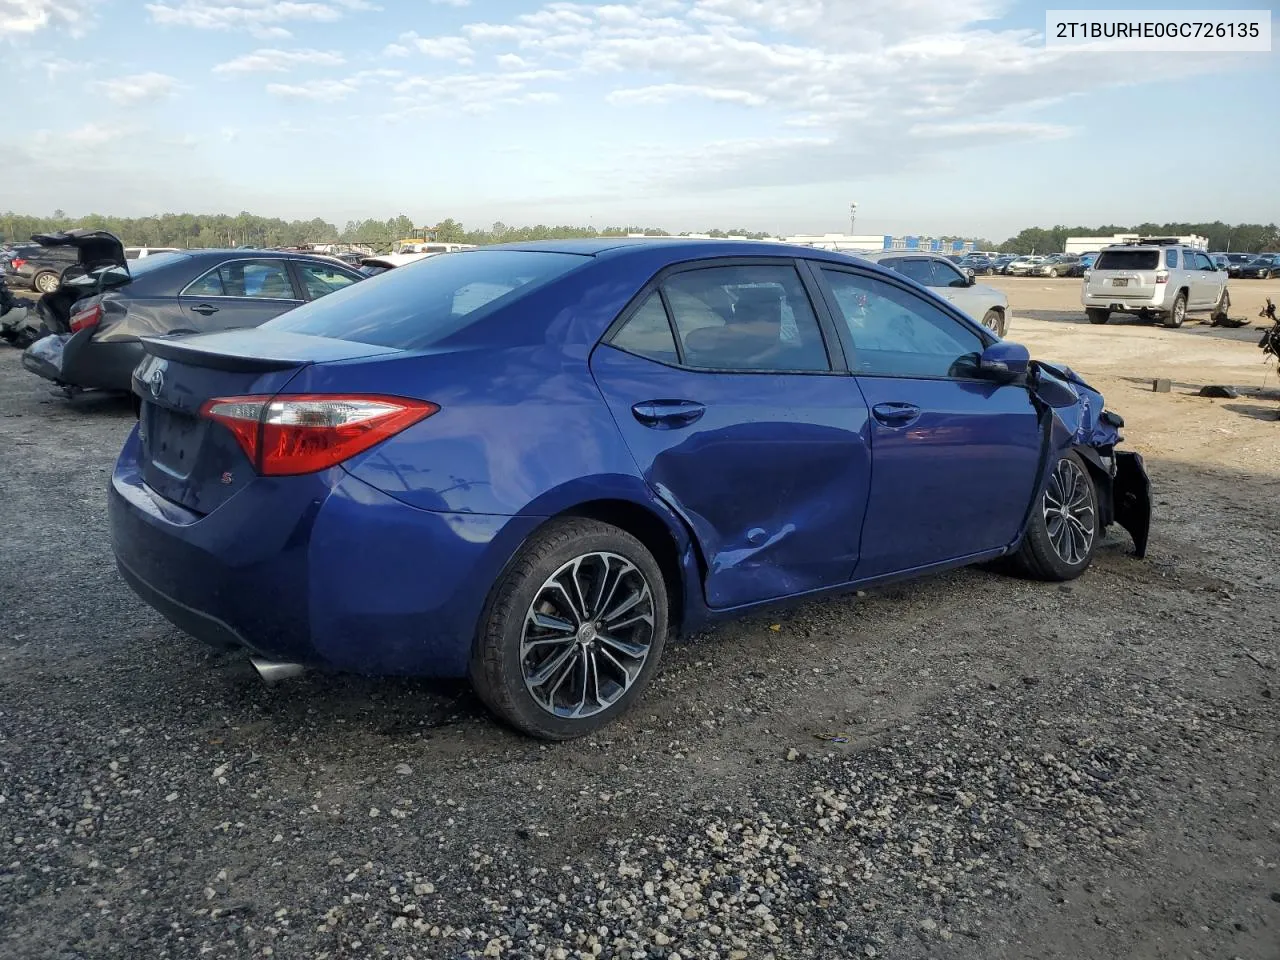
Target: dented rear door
(770,470)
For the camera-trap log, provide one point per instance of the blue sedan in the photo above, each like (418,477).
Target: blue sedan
(533,464)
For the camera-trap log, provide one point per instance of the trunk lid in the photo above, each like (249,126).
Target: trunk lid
(196,462)
(100,264)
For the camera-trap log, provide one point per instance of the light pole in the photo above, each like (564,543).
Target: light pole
(853,218)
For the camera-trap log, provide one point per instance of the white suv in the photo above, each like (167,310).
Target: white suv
(1154,280)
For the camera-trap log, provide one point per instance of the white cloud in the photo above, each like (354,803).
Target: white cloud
(96,135)
(457,49)
(19,17)
(279,61)
(452,3)
(991,129)
(325,91)
(262,18)
(137,88)
(666,92)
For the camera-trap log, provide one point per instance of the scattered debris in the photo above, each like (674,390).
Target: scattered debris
(1161,385)
(833,737)
(1219,392)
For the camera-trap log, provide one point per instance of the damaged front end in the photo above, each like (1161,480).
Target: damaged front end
(1078,420)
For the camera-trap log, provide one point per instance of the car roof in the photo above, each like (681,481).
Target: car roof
(881,254)
(673,249)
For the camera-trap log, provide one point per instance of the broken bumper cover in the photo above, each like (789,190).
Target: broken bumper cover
(1131,498)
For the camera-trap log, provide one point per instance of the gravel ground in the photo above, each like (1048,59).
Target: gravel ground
(1028,770)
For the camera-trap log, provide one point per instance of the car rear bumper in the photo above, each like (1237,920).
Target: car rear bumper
(1120,304)
(322,570)
(83,361)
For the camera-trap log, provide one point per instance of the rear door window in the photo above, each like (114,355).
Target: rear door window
(421,303)
(320,279)
(1128,260)
(248,279)
(648,333)
(1171,260)
(755,317)
(917,268)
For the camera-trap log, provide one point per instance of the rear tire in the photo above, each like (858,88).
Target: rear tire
(1175,317)
(45,282)
(1063,531)
(1221,311)
(553,577)
(1098,315)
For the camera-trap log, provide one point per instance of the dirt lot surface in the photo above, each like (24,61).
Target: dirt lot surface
(1031,771)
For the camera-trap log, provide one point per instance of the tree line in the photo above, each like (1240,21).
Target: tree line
(189,230)
(246,229)
(1224,237)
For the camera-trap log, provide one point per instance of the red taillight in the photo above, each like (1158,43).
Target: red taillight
(18,263)
(303,433)
(1162,276)
(88,317)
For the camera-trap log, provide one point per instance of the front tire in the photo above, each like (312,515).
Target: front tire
(1053,272)
(1063,531)
(573,631)
(1178,314)
(993,320)
(1098,315)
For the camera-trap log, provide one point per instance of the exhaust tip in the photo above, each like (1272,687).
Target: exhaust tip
(273,671)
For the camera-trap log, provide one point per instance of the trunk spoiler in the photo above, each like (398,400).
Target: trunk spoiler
(258,350)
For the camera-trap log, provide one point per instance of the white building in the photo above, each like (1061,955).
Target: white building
(1093,244)
(870,243)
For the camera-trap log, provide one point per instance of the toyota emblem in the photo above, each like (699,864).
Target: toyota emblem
(157,381)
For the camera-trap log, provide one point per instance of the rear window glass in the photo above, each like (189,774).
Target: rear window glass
(1128,260)
(157,261)
(414,306)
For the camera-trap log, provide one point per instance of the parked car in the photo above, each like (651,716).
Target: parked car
(533,464)
(1262,267)
(1022,266)
(1059,265)
(135,253)
(1236,261)
(98,315)
(1001,262)
(986,305)
(981,266)
(37,266)
(1087,261)
(1156,282)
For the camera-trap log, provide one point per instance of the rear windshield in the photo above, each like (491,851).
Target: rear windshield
(1128,260)
(417,305)
(144,265)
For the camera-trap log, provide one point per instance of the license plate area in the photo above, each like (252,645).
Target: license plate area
(173,440)
(1120,282)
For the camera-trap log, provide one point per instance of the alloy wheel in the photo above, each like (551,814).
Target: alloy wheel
(587,635)
(1069,514)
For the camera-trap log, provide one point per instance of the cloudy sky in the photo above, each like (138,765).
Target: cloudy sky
(941,116)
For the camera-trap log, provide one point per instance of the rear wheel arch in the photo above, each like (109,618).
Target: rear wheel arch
(657,536)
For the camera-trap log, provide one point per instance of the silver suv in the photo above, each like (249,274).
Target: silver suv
(985,304)
(1154,280)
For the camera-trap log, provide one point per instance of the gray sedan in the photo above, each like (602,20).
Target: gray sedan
(985,304)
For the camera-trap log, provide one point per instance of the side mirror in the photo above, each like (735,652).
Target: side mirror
(1004,361)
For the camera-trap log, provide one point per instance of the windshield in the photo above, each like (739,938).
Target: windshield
(420,304)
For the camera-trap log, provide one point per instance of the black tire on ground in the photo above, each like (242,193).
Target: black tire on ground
(993,320)
(45,282)
(1222,310)
(1038,558)
(497,671)
(1098,315)
(1178,313)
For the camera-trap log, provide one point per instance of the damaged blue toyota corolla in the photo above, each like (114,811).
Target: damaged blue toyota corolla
(532,464)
